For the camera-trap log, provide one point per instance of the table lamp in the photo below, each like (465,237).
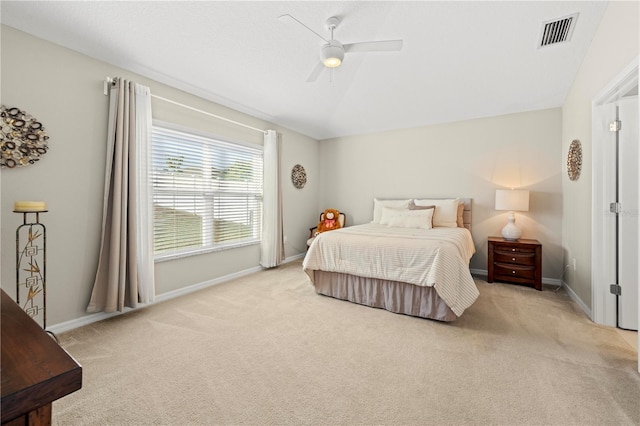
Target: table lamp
(512,200)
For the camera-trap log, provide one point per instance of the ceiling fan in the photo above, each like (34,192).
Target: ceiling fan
(332,52)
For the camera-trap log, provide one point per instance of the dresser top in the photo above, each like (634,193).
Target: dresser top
(35,369)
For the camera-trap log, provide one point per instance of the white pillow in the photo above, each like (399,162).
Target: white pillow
(446,214)
(420,219)
(378,204)
(389,213)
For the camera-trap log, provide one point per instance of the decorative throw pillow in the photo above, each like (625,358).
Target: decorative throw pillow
(446,212)
(378,204)
(460,214)
(388,213)
(412,206)
(420,219)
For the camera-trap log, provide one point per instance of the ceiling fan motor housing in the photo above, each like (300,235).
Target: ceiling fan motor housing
(332,54)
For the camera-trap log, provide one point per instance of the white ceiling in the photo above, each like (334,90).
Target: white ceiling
(460,60)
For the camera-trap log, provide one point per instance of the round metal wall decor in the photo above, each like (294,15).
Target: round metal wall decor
(574,160)
(298,176)
(22,138)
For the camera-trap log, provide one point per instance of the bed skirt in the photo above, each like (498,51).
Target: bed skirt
(393,296)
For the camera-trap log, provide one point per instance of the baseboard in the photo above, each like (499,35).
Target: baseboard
(190,289)
(89,319)
(293,258)
(478,272)
(85,320)
(195,287)
(552,281)
(549,281)
(572,294)
(483,273)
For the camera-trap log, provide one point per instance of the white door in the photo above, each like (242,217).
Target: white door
(628,250)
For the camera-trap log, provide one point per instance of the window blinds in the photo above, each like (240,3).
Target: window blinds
(207,194)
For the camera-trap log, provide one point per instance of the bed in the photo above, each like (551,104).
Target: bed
(401,265)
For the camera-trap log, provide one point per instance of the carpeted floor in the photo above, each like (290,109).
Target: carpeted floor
(265,349)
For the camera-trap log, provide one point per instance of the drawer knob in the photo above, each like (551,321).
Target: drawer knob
(513,249)
(513,258)
(513,272)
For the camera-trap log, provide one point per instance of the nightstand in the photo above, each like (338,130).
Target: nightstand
(517,262)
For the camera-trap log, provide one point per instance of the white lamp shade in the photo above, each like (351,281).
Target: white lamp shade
(512,200)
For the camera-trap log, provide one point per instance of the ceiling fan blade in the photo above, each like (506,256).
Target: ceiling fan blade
(374,46)
(316,72)
(286,17)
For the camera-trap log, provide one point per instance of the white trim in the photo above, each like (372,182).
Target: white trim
(483,273)
(603,304)
(208,135)
(195,287)
(179,255)
(479,272)
(89,319)
(86,320)
(626,80)
(578,301)
(293,258)
(552,281)
(602,240)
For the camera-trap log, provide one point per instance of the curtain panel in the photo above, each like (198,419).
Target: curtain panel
(125,267)
(272,244)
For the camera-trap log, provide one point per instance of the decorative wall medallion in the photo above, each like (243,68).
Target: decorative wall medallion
(574,160)
(298,176)
(22,138)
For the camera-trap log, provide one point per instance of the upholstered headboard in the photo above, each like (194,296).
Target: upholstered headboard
(466,215)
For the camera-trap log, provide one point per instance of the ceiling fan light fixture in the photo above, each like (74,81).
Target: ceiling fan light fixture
(332,54)
(332,62)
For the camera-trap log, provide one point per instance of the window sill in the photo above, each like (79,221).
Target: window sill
(173,256)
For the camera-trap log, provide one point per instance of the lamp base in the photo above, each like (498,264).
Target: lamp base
(511,232)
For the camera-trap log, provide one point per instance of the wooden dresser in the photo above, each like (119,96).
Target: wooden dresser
(518,262)
(34,369)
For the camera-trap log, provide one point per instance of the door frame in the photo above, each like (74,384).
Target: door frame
(603,303)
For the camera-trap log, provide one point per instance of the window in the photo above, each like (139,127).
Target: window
(207,193)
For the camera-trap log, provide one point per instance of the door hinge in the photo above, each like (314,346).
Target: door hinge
(615,126)
(615,289)
(615,208)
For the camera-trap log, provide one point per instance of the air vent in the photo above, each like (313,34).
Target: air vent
(558,31)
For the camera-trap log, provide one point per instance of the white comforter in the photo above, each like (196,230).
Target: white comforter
(437,257)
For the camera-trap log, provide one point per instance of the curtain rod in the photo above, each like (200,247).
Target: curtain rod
(112,81)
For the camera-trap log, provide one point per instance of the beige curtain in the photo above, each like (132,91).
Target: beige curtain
(125,267)
(272,243)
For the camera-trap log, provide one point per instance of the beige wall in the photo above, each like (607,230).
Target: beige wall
(614,47)
(472,158)
(63,89)
(466,159)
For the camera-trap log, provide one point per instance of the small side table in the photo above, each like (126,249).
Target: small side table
(516,262)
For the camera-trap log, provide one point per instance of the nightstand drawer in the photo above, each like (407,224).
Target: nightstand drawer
(506,272)
(518,258)
(508,248)
(517,262)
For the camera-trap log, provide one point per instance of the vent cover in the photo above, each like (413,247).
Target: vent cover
(558,31)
